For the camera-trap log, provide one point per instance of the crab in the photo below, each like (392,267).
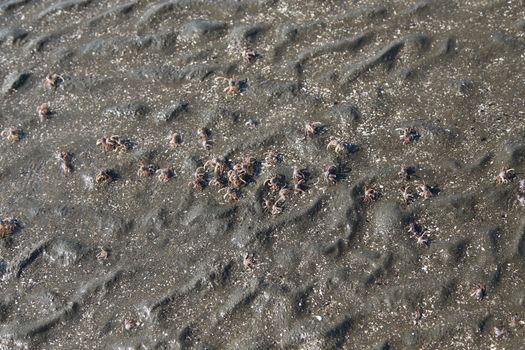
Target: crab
(12,134)
(130,324)
(204,137)
(104,176)
(218,166)
(312,128)
(520,198)
(404,173)
(43,111)
(370,194)
(406,195)
(249,55)
(298,175)
(422,240)
(103,254)
(271,158)
(330,174)
(274,182)
(521,188)
(217,181)
(408,135)
(198,179)
(274,207)
(424,191)
(52,80)
(417,315)
(145,171)
(236,179)
(66,166)
(339,146)
(505,176)
(251,124)
(234,85)
(175,140)
(414,229)
(299,187)
(230,194)
(165,175)
(499,332)
(8,226)
(247,261)
(480,293)
(248,164)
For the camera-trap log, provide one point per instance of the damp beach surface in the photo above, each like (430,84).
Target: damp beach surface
(262,174)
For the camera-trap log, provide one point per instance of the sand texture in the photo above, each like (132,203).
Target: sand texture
(262,174)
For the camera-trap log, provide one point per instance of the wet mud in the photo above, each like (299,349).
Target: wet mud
(262,174)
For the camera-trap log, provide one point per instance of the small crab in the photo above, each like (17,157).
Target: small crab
(370,194)
(271,158)
(505,176)
(102,254)
(330,174)
(480,293)
(104,176)
(230,194)
(417,315)
(247,261)
(312,128)
(198,179)
(251,124)
(422,240)
(249,55)
(274,182)
(276,207)
(217,181)
(43,111)
(408,135)
(204,137)
(406,195)
(218,165)
(145,170)
(520,199)
(12,134)
(234,85)
(404,173)
(499,332)
(130,324)
(8,226)
(52,80)
(414,229)
(66,162)
(298,175)
(339,146)
(521,187)
(165,175)
(249,164)
(175,140)
(424,191)
(236,179)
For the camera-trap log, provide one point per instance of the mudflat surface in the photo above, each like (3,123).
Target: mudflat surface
(319,268)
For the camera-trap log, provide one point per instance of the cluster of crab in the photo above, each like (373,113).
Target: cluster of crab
(114,143)
(8,226)
(228,179)
(422,189)
(417,232)
(280,189)
(147,170)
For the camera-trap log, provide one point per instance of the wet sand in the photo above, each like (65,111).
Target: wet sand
(191,266)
